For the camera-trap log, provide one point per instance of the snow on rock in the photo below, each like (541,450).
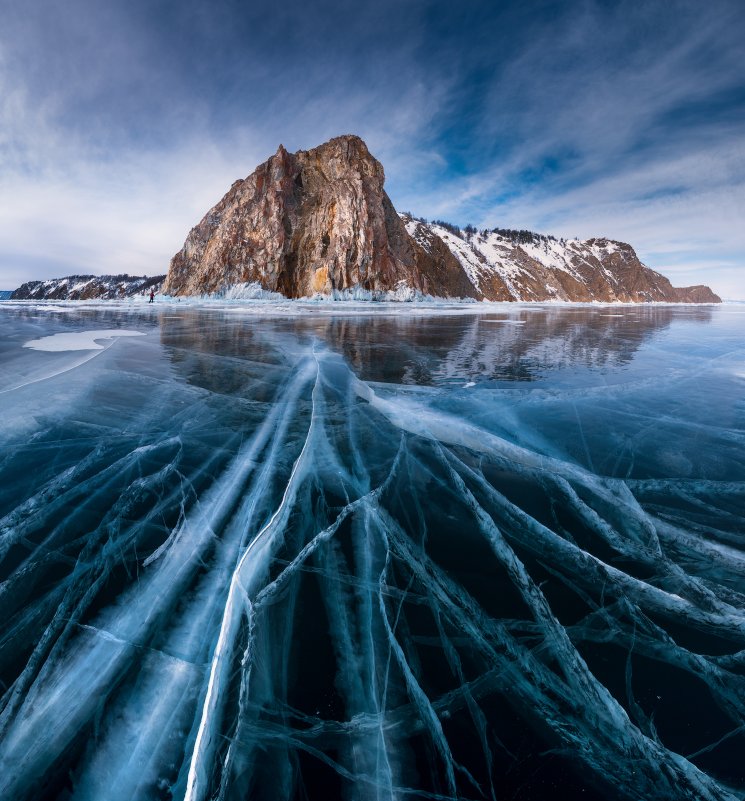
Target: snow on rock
(88,287)
(523,266)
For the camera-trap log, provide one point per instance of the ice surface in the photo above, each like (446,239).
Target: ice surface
(277,551)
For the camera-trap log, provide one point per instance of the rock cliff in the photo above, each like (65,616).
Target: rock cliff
(316,221)
(320,222)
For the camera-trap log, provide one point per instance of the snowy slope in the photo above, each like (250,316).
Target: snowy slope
(85,287)
(519,265)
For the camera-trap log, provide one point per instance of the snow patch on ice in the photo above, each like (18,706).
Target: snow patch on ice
(78,340)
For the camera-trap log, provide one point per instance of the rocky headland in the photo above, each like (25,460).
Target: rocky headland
(319,222)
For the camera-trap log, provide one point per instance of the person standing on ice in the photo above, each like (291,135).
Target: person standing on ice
(152,296)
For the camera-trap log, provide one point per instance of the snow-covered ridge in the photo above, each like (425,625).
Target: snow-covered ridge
(85,287)
(520,265)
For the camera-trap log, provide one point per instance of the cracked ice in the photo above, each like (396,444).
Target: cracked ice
(326,556)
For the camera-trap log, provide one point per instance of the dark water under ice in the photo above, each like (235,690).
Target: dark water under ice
(289,554)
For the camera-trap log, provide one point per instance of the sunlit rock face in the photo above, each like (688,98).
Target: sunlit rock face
(352,557)
(313,222)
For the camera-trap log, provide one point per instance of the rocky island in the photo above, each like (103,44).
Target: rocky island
(319,222)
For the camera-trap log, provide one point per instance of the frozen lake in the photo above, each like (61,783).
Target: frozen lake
(309,552)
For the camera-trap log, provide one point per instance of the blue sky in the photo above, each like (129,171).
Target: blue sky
(121,123)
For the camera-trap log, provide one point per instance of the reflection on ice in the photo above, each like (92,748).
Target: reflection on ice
(294,559)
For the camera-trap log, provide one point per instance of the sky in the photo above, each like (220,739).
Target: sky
(122,123)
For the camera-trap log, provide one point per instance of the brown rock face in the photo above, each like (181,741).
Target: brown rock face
(614,271)
(695,294)
(316,221)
